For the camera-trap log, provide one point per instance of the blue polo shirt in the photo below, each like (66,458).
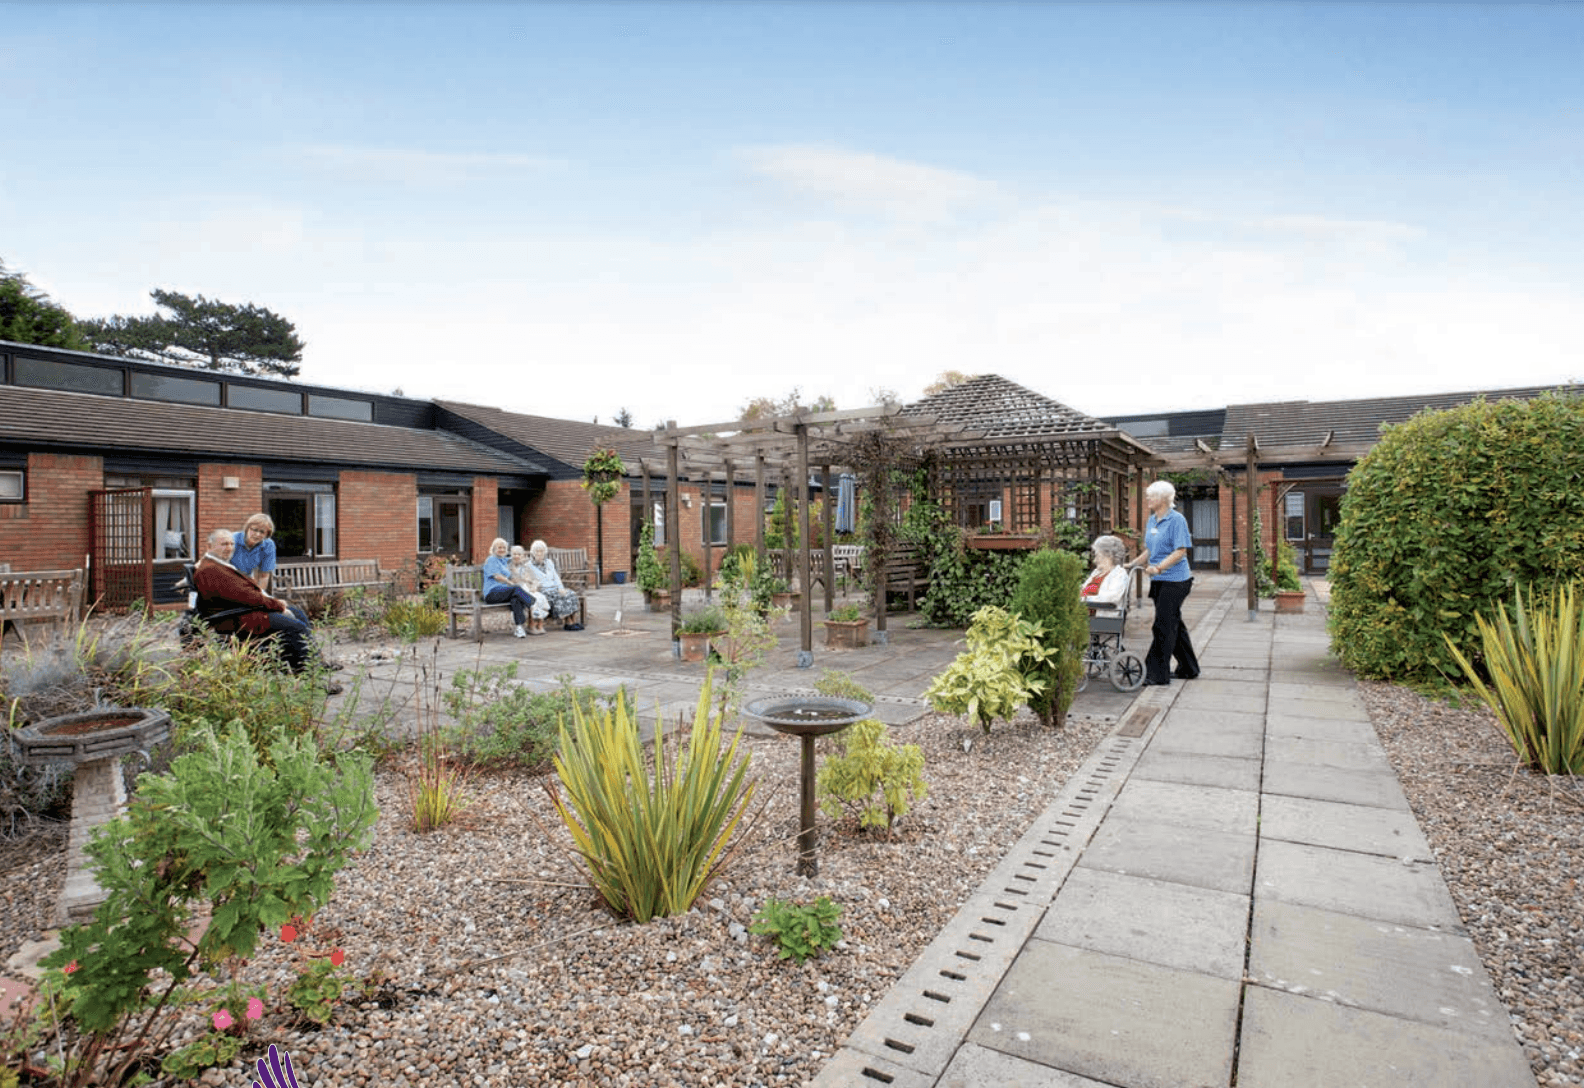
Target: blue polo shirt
(1162,536)
(247,560)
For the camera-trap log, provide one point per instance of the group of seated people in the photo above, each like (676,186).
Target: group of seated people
(529,582)
(232,584)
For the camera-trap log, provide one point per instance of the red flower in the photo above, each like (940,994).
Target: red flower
(288,933)
(337,958)
(70,967)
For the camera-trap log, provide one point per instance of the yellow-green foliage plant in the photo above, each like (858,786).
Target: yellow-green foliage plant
(652,841)
(873,779)
(1003,669)
(1443,519)
(1535,660)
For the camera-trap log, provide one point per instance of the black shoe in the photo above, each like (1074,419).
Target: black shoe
(1157,683)
(1186,675)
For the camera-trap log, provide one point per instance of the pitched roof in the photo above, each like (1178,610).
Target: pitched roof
(1000,410)
(566,440)
(1355,422)
(53,418)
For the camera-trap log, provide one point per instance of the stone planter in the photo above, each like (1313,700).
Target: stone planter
(658,600)
(1290,601)
(846,634)
(786,600)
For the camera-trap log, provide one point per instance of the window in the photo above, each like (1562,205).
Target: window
(77,377)
(13,485)
(181,390)
(265,400)
(173,523)
(305,519)
(361,411)
(717,523)
(443,524)
(659,523)
(1294,506)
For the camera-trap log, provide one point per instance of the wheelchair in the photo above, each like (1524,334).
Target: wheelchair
(1106,656)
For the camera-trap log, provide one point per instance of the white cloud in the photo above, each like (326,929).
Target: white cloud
(860,180)
(419,167)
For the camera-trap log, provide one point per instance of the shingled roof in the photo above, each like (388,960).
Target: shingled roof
(1001,411)
(567,441)
(1355,422)
(55,419)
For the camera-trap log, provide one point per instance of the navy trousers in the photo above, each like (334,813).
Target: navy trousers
(1169,635)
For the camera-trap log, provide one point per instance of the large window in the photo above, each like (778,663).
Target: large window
(304,517)
(443,523)
(1294,519)
(175,528)
(717,523)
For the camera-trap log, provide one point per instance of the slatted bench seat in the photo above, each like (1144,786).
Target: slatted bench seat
(906,575)
(28,596)
(326,576)
(465,589)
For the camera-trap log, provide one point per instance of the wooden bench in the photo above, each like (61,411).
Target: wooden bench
(29,596)
(906,575)
(326,576)
(465,591)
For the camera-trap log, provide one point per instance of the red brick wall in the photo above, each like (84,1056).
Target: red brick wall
(377,518)
(486,502)
(1234,511)
(50,530)
(219,508)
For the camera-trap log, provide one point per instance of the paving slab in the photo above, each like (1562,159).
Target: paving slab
(1209,738)
(1340,730)
(1195,697)
(1427,975)
(1392,833)
(1364,885)
(1291,1040)
(1183,855)
(1174,925)
(1348,756)
(1228,772)
(1189,806)
(1300,707)
(1379,789)
(975,1066)
(1112,1019)
(1342,694)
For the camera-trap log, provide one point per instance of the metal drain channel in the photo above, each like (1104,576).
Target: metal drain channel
(911,1035)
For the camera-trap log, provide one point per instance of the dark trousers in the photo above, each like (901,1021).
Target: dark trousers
(520,599)
(1169,635)
(296,641)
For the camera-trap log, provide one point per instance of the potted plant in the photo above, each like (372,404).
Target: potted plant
(1290,593)
(846,627)
(651,572)
(696,630)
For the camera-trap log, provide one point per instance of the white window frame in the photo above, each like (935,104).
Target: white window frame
(174,522)
(13,485)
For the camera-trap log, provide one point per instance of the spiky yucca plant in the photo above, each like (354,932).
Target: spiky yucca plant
(1536,689)
(652,842)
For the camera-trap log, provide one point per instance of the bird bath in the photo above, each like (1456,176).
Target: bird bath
(93,741)
(807,716)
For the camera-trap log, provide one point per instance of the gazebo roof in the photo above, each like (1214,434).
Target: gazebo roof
(1002,410)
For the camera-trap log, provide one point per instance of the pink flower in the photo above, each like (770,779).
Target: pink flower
(337,958)
(222,1020)
(288,934)
(70,967)
(255,1008)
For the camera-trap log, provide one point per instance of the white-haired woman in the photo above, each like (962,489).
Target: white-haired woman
(499,588)
(1108,582)
(1167,543)
(563,602)
(524,576)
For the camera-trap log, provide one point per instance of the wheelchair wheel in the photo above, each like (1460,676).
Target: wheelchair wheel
(1127,671)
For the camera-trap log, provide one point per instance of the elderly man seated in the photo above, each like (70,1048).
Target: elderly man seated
(231,603)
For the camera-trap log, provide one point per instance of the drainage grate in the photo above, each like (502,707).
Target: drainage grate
(913,1032)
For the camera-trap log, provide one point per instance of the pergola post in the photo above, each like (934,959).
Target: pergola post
(827,534)
(1251,552)
(674,520)
(806,657)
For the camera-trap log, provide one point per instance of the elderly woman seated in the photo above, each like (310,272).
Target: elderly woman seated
(563,602)
(526,579)
(1107,584)
(500,587)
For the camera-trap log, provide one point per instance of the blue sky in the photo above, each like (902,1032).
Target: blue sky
(675,207)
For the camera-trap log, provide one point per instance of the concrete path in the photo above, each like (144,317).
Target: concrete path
(1233,891)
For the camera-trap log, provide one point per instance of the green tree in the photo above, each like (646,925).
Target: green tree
(1446,517)
(945,380)
(203,332)
(624,418)
(27,316)
(791,404)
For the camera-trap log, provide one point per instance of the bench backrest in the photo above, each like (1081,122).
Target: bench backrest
(327,574)
(573,566)
(42,594)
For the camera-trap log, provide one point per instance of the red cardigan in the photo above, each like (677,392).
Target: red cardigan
(221,587)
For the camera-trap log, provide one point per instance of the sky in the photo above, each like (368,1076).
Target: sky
(673,208)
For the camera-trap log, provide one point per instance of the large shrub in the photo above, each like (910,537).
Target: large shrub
(1048,594)
(1446,517)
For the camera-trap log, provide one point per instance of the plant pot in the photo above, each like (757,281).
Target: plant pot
(1002,542)
(1290,601)
(696,644)
(846,634)
(785,600)
(659,600)
(619,577)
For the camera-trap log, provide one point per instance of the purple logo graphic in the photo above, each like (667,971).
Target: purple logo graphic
(276,1070)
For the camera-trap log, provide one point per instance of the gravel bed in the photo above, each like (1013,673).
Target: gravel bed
(1511,847)
(579,998)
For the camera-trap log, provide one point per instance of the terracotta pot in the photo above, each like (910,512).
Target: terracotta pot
(846,634)
(695,645)
(1290,600)
(659,600)
(998,542)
